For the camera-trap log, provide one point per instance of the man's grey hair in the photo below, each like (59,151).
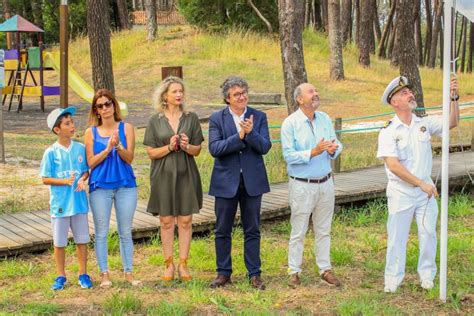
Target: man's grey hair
(297,92)
(230,82)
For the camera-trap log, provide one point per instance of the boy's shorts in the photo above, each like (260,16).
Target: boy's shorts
(79,225)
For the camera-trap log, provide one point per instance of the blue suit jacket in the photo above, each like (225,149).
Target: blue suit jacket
(233,154)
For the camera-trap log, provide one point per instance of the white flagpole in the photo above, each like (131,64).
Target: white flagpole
(445,149)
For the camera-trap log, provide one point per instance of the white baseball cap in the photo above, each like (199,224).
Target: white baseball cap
(53,116)
(393,87)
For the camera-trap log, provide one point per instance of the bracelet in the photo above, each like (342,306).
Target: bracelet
(169,148)
(455,98)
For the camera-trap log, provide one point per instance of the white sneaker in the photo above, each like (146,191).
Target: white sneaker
(390,288)
(427,284)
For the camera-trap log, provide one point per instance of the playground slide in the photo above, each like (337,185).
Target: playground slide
(75,81)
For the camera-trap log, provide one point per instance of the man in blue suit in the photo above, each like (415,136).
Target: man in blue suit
(238,139)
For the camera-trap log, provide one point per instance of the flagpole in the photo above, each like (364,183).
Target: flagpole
(448,4)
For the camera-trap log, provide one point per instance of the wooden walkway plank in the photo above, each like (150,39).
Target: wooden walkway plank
(29,231)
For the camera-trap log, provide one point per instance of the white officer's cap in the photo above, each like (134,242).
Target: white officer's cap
(393,87)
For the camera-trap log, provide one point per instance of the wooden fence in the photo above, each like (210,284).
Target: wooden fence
(172,17)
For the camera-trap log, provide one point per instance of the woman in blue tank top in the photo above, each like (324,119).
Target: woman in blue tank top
(110,145)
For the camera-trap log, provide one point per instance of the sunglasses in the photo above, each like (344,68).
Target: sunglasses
(107,104)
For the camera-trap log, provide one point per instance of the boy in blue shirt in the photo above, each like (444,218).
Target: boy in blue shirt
(64,168)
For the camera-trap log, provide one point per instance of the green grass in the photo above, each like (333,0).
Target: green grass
(119,304)
(358,255)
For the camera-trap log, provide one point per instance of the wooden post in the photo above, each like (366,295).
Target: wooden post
(337,162)
(2,139)
(171,71)
(41,70)
(63,47)
(472,135)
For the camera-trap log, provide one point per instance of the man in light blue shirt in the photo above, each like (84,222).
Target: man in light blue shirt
(309,144)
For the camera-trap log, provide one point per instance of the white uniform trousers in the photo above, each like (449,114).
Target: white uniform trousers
(306,199)
(403,204)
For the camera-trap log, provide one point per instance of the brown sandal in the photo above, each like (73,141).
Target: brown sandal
(183,263)
(168,263)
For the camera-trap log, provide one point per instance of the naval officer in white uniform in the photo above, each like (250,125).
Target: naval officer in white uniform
(404,144)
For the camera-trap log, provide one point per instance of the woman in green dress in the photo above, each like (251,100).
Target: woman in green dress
(172,139)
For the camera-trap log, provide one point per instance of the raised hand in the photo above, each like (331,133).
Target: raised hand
(333,147)
(454,87)
(113,141)
(81,186)
(184,141)
(69,181)
(247,125)
(174,142)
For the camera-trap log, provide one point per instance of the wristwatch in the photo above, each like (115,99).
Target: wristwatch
(455,98)
(187,147)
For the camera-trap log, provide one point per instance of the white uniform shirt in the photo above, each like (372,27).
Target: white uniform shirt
(238,118)
(410,144)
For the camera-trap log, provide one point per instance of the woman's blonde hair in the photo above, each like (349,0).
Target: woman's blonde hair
(159,101)
(94,118)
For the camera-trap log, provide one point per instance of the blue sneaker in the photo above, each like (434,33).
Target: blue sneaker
(59,283)
(85,281)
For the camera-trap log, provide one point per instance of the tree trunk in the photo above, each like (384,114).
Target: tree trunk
(366,31)
(260,15)
(377,30)
(324,14)
(307,13)
(346,21)
(429,30)
(471,47)
(335,41)
(405,42)
(435,35)
(151,26)
(318,22)
(418,39)
(441,46)
(464,45)
(7,15)
(291,20)
(391,41)
(357,22)
(386,31)
(99,40)
(124,20)
(458,41)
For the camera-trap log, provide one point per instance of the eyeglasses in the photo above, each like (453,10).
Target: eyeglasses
(107,104)
(238,95)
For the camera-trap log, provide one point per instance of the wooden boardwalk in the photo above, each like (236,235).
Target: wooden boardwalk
(31,231)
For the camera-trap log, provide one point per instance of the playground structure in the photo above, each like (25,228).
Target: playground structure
(21,62)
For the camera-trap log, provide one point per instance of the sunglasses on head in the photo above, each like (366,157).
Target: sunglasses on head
(107,104)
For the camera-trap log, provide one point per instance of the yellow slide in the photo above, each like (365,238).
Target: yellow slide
(75,81)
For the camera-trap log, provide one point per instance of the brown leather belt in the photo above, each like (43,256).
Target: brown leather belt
(320,180)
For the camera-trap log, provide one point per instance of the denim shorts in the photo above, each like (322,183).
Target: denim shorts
(79,226)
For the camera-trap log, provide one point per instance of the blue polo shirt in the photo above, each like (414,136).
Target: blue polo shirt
(61,162)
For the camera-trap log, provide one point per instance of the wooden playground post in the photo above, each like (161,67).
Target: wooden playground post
(2,136)
(176,71)
(337,162)
(41,74)
(63,47)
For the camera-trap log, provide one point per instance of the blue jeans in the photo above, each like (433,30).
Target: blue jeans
(125,202)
